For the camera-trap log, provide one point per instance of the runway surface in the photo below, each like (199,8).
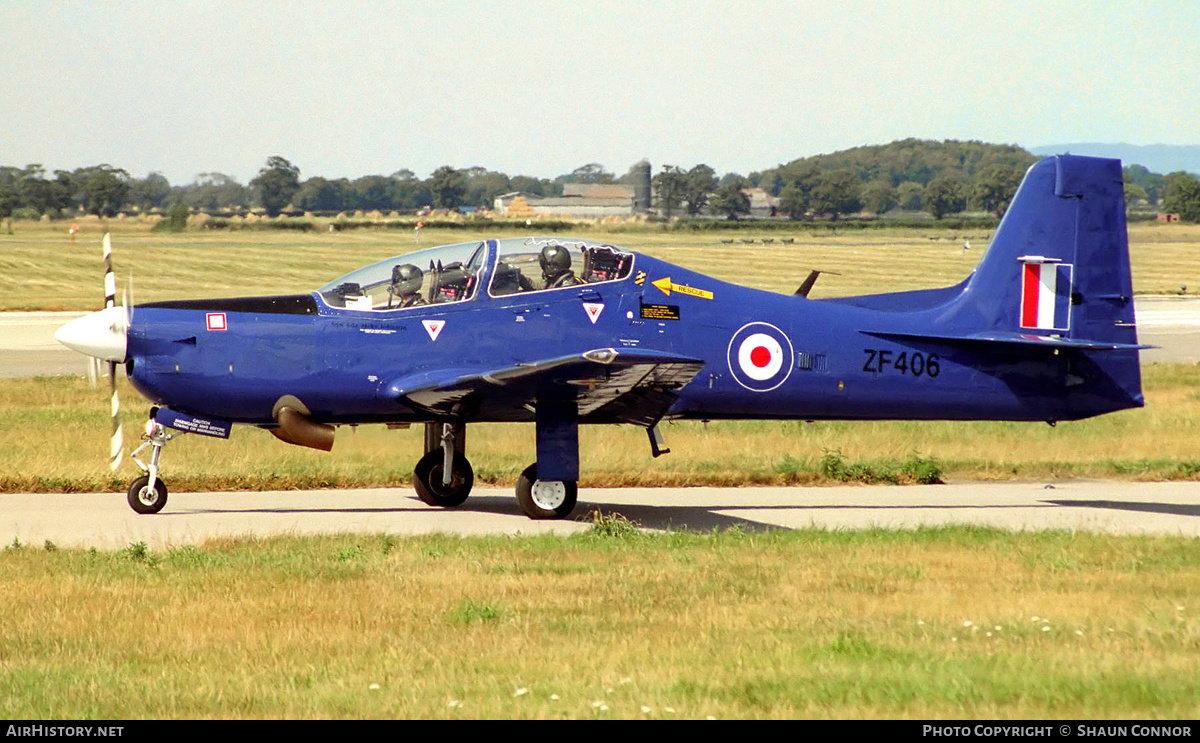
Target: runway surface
(28,348)
(1172,324)
(105,521)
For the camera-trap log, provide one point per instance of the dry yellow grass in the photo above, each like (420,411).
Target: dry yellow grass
(54,437)
(958,623)
(1165,258)
(950,623)
(40,269)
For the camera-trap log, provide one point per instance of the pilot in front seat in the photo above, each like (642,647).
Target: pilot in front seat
(405,290)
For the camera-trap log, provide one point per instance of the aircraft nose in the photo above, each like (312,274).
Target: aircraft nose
(100,334)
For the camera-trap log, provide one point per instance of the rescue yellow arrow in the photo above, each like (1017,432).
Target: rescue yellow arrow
(666,287)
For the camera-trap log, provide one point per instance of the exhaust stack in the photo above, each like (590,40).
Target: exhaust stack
(297,427)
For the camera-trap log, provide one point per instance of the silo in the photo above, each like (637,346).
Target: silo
(641,187)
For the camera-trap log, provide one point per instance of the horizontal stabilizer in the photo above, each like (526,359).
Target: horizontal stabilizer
(1021,339)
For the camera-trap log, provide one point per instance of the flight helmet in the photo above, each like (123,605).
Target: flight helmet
(406,279)
(555,261)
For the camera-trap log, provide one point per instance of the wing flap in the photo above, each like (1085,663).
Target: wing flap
(609,385)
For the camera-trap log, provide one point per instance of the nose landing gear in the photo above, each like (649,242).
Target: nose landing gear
(148,493)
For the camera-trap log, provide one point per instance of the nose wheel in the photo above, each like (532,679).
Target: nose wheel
(148,493)
(145,497)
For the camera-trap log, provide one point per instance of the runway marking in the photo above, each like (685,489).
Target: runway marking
(1169,318)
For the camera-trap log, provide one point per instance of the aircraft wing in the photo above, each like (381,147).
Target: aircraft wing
(609,385)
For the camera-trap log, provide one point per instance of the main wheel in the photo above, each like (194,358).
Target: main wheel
(545,499)
(143,499)
(427,480)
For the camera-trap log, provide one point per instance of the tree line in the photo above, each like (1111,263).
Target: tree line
(940,178)
(105,190)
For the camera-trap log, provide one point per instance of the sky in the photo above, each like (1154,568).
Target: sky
(541,88)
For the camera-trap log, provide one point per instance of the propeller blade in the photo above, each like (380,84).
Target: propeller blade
(127,300)
(117,442)
(110,283)
(116,449)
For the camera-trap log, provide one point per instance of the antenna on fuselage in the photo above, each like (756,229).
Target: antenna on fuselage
(807,286)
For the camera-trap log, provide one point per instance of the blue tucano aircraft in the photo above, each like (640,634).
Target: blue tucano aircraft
(562,332)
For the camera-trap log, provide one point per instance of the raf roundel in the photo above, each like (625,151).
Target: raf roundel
(760,356)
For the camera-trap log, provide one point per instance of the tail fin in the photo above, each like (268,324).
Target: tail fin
(1056,276)
(1058,265)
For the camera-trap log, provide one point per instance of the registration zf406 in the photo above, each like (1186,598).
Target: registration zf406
(880,361)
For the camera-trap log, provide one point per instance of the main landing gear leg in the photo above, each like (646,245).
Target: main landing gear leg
(148,494)
(548,489)
(443,477)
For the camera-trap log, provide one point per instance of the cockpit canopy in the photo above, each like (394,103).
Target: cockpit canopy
(453,273)
(444,274)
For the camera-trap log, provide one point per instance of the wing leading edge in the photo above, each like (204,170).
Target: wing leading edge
(608,385)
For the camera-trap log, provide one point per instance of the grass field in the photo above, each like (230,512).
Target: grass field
(614,623)
(951,623)
(40,269)
(54,438)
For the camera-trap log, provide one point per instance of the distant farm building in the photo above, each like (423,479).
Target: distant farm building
(599,200)
(762,203)
(579,200)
